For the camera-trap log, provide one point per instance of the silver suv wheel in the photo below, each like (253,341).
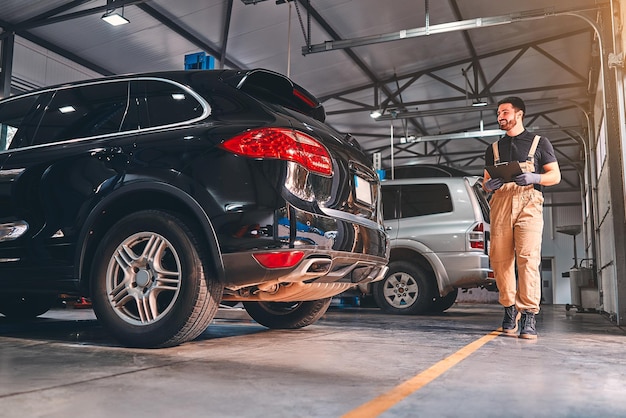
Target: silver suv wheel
(406,289)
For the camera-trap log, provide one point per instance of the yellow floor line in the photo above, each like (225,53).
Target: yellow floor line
(378,405)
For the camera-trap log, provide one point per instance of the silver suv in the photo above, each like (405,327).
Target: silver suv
(439,231)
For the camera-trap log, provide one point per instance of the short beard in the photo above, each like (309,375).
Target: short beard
(508,125)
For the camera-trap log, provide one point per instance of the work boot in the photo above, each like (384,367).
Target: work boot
(528,331)
(509,323)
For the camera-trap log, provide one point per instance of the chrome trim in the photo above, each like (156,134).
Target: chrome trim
(301,273)
(381,274)
(12,230)
(11,172)
(205,105)
(339,214)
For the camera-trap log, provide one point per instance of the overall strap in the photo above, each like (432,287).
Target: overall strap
(496,153)
(533,148)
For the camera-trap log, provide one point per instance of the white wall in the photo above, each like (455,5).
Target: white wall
(34,66)
(560,246)
(605,237)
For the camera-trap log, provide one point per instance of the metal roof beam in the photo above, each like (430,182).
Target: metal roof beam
(57,10)
(507,67)
(6,65)
(65,53)
(30,24)
(205,46)
(458,62)
(503,93)
(559,63)
(477,68)
(354,57)
(9,29)
(225,31)
(399,91)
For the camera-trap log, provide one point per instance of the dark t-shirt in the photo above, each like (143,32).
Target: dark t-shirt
(516,149)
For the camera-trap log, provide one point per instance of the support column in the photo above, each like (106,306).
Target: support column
(6,65)
(614,133)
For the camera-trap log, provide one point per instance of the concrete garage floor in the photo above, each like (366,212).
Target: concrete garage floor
(355,362)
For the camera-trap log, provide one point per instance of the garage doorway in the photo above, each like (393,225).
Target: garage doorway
(546,281)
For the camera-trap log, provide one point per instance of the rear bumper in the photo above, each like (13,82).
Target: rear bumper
(465,270)
(339,248)
(242,269)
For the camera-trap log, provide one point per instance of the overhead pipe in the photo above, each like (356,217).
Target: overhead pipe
(393,114)
(480,22)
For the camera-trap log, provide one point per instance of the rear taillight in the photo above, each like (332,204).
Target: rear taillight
(477,237)
(282,144)
(279,259)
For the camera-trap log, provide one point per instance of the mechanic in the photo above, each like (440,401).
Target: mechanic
(517,216)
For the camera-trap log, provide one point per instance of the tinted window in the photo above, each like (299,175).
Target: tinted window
(84,111)
(390,202)
(425,199)
(481,195)
(14,121)
(162,103)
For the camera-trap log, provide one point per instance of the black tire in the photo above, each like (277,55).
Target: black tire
(287,315)
(405,290)
(150,287)
(442,304)
(26,306)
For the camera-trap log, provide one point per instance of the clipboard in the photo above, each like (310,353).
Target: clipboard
(507,171)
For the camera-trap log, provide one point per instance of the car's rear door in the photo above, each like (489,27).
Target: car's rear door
(391,204)
(51,172)
(18,120)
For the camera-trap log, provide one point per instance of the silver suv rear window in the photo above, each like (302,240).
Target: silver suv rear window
(407,201)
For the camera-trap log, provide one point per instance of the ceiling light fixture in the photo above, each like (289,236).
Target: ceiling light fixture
(375,114)
(113,18)
(67,109)
(479,103)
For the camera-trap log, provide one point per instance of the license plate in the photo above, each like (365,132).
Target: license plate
(363,190)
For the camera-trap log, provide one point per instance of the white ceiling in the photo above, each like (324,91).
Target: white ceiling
(544,56)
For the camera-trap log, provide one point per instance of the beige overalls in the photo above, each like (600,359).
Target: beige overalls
(516,232)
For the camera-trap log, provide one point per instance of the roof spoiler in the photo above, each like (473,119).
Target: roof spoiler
(275,88)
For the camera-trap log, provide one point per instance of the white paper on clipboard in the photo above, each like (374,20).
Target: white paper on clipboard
(507,171)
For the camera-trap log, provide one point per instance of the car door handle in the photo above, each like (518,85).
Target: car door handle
(106,152)
(388,228)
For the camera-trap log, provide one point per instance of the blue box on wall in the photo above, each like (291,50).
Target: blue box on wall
(199,61)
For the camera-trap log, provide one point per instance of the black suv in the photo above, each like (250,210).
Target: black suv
(159,195)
